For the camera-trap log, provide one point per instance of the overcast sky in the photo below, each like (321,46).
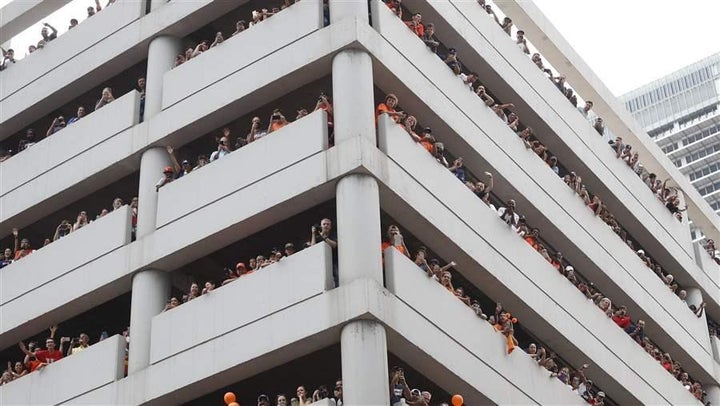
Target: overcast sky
(629,43)
(626,42)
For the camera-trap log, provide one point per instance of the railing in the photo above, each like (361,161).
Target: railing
(99,365)
(68,143)
(242,302)
(61,257)
(69,45)
(243,167)
(430,299)
(238,52)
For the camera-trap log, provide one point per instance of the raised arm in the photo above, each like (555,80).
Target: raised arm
(173,159)
(17,240)
(51,28)
(448,266)
(490,182)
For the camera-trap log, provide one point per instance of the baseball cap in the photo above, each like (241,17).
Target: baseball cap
(427,130)
(434,261)
(641,252)
(185,162)
(569,268)
(168,169)
(601,394)
(240,265)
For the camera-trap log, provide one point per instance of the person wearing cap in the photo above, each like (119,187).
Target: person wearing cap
(168,176)
(391,101)
(598,400)
(263,400)
(452,62)
(289,249)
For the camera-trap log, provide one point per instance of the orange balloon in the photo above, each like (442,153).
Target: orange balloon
(457,400)
(229,398)
(234,404)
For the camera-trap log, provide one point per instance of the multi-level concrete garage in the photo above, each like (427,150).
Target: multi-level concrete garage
(355,311)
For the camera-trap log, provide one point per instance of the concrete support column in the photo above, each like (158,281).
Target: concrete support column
(713,394)
(694,296)
(364,363)
(155,4)
(358,218)
(150,290)
(151,170)
(341,9)
(161,59)
(353,99)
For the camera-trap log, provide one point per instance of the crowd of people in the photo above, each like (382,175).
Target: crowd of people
(669,196)
(501,320)
(59,123)
(322,232)
(508,213)
(227,144)
(47,33)
(240,26)
(302,396)
(36,358)
(22,246)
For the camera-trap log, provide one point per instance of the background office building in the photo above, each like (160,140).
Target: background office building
(274,130)
(680,113)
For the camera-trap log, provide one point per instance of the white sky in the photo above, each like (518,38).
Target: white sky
(628,43)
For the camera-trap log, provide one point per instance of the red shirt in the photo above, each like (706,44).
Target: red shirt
(622,321)
(48,356)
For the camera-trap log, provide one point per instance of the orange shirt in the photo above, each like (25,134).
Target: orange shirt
(419,29)
(276,125)
(400,248)
(531,240)
(428,146)
(384,108)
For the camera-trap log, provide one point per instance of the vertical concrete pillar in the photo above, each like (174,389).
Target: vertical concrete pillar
(161,59)
(363,343)
(151,171)
(341,9)
(358,214)
(353,99)
(364,363)
(150,290)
